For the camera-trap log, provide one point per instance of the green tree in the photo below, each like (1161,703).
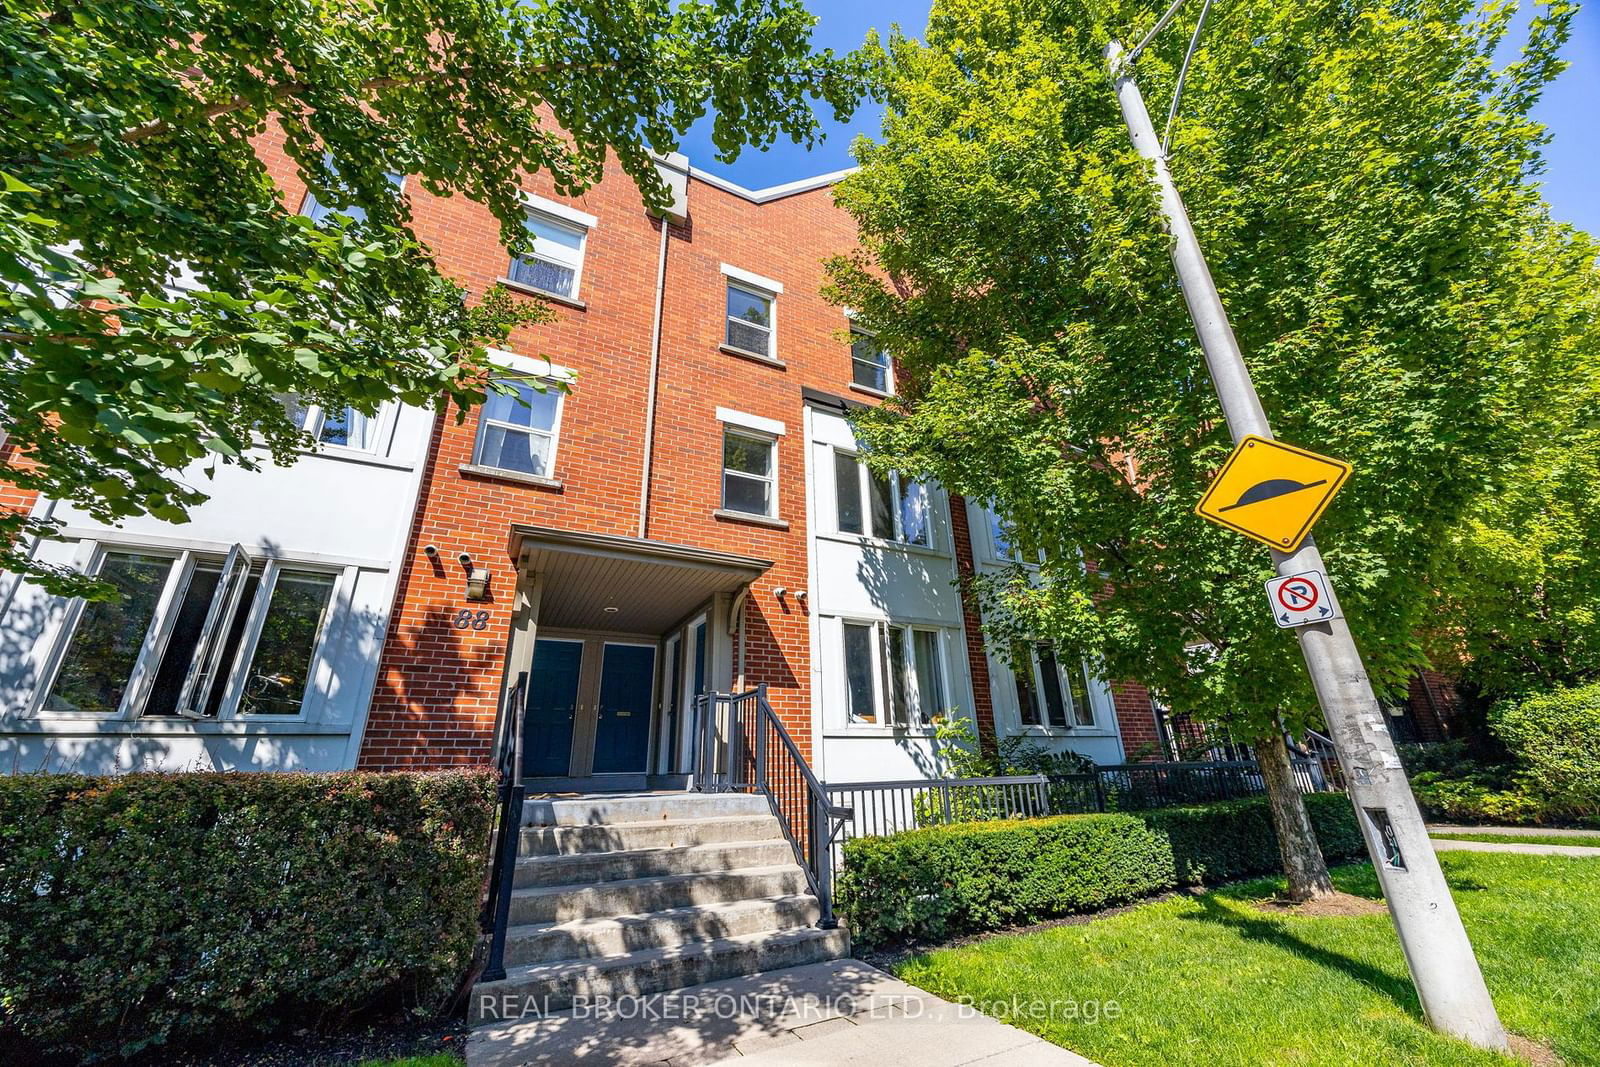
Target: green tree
(1360,175)
(127,161)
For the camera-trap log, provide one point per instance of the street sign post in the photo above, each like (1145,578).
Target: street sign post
(1301,599)
(1448,979)
(1272,492)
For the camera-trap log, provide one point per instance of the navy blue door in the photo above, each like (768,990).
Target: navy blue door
(622,723)
(552,706)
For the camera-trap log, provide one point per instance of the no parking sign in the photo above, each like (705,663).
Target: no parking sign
(1301,599)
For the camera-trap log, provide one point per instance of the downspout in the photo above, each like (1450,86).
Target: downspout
(655,371)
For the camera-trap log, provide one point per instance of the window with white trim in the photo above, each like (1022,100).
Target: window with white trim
(894,673)
(892,506)
(196,636)
(749,472)
(749,323)
(870,366)
(315,210)
(1002,545)
(1050,694)
(519,432)
(345,427)
(555,265)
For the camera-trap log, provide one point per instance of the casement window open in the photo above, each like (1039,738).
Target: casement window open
(193,635)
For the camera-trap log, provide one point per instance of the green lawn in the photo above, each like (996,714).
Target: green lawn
(1589,840)
(437,1059)
(1211,980)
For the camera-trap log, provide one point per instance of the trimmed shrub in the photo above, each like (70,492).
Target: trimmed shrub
(944,881)
(153,908)
(947,880)
(1235,838)
(1555,736)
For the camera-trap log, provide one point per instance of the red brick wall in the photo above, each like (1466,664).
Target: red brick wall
(972,624)
(1136,720)
(438,687)
(1432,701)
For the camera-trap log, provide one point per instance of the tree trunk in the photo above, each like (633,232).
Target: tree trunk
(1297,842)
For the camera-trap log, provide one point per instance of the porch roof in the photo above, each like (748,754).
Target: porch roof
(650,584)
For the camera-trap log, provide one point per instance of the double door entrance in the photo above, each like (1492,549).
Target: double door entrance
(589,707)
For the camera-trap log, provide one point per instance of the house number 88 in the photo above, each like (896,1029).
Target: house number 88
(467,619)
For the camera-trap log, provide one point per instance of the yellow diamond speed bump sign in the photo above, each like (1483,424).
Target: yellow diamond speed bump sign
(1272,492)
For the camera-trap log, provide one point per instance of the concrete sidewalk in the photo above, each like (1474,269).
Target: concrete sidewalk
(1443,844)
(1516,831)
(840,1012)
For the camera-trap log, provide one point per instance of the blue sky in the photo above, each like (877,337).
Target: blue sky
(1570,109)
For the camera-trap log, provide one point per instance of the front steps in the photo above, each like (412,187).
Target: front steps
(639,894)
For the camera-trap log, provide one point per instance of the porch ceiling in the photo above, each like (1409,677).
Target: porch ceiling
(651,584)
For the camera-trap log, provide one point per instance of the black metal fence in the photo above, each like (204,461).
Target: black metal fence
(880,808)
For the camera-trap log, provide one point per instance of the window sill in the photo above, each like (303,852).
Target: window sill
(868,390)
(249,725)
(1063,733)
(499,475)
(754,357)
(724,515)
(881,543)
(533,290)
(867,730)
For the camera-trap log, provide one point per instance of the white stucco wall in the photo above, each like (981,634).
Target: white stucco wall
(343,510)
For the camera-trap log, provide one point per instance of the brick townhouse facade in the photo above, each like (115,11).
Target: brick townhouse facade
(681,509)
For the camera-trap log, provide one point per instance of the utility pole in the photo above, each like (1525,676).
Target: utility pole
(1448,980)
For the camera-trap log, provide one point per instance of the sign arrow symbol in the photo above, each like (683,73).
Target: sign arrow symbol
(1324,611)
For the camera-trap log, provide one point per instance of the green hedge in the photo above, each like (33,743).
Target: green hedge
(153,908)
(944,881)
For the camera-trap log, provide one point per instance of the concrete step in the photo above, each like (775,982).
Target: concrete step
(599,867)
(592,938)
(640,807)
(660,833)
(549,987)
(639,896)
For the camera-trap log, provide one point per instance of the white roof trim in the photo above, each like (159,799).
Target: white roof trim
(772,192)
(557,210)
(766,285)
(532,366)
(751,422)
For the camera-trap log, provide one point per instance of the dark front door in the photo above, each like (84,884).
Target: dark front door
(622,721)
(552,707)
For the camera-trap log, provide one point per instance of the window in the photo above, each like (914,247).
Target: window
(749,320)
(227,626)
(316,211)
(556,262)
(893,673)
(518,432)
(749,463)
(1047,693)
(889,506)
(1001,543)
(344,426)
(869,363)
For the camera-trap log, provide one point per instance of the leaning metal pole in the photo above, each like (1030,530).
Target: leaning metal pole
(1448,980)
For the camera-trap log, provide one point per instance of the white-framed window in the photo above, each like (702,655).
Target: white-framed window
(345,427)
(749,471)
(193,635)
(891,507)
(520,432)
(750,320)
(1003,547)
(555,265)
(894,673)
(1051,695)
(315,210)
(870,365)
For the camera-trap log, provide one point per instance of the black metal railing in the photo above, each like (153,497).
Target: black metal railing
(880,808)
(741,746)
(508,831)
